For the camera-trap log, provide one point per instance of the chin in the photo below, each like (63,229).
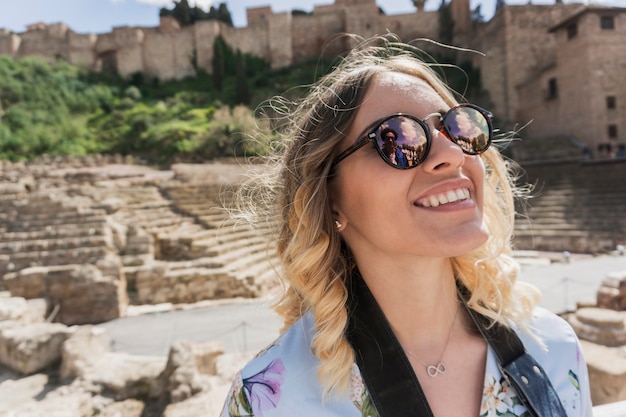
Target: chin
(471,242)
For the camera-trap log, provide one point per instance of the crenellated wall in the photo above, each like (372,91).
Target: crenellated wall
(168,51)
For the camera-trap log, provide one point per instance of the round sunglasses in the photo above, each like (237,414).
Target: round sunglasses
(403,141)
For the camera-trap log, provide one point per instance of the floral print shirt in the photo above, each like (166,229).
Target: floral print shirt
(282,382)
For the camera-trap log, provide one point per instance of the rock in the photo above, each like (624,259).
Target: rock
(83,294)
(187,364)
(607,372)
(612,291)
(32,348)
(127,376)
(82,350)
(126,408)
(111,205)
(16,391)
(599,325)
(12,308)
(196,406)
(62,402)
(23,310)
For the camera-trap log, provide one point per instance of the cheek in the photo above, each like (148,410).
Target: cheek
(474,169)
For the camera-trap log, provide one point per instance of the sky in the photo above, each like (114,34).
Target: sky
(100,16)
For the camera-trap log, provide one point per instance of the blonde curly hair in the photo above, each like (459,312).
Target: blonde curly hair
(313,258)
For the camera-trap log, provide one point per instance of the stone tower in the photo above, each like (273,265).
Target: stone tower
(461,15)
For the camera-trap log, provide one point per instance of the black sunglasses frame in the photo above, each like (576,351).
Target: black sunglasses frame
(373,128)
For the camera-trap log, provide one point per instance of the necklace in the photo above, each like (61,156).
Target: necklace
(440,367)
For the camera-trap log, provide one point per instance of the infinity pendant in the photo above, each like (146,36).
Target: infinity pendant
(433,370)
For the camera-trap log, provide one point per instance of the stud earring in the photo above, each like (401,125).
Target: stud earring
(337,224)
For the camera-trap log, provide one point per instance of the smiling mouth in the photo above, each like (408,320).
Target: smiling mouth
(451,196)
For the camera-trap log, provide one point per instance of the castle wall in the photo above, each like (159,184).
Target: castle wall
(518,45)
(48,44)
(9,43)
(129,42)
(491,41)
(589,67)
(258,15)
(168,55)
(411,26)
(81,49)
(205,33)
(279,40)
(310,36)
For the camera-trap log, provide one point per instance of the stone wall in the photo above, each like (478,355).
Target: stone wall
(166,51)
(588,68)
(517,45)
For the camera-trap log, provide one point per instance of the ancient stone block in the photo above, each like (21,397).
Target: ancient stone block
(612,291)
(82,350)
(32,348)
(607,372)
(81,293)
(126,408)
(602,326)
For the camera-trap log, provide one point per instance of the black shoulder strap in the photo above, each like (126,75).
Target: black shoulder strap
(518,366)
(386,370)
(389,377)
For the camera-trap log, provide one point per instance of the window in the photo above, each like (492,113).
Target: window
(611,102)
(572,31)
(553,89)
(612,131)
(607,22)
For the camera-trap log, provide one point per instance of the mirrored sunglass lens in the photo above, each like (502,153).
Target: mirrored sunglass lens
(402,141)
(469,128)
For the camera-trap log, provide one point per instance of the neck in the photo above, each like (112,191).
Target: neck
(420,303)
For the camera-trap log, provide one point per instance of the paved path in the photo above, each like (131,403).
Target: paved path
(249,325)
(565,284)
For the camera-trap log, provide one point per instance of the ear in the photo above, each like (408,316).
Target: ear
(341,221)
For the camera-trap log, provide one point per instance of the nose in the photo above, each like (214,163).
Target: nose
(443,154)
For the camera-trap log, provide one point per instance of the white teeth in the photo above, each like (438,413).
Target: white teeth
(445,198)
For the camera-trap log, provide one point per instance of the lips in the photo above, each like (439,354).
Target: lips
(439,199)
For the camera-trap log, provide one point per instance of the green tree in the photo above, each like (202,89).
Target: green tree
(187,15)
(219,63)
(221,13)
(242,91)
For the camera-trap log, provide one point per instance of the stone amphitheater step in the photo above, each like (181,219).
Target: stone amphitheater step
(246,243)
(241,259)
(576,205)
(19,225)
(191,285)
(70,231)
(217,221)
(45,212)
(263,273)
(87,255)
(36,245)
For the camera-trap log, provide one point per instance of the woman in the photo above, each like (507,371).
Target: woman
(397,275)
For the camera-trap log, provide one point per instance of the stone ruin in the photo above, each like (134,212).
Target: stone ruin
(92,236)
(69,371)
(81,240)
(602,330)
